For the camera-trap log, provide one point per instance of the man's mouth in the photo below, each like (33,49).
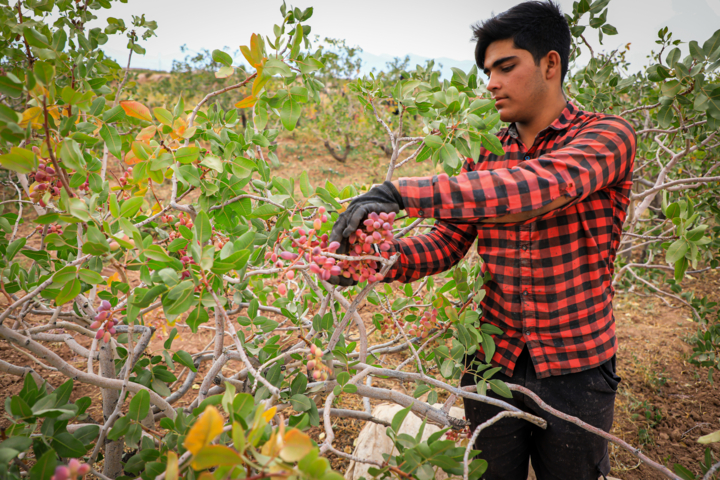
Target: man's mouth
(499,99)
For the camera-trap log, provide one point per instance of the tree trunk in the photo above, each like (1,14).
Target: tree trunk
(340,157)
(113,450)
(387,149)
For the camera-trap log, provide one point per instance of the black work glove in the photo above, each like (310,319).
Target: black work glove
(382,198)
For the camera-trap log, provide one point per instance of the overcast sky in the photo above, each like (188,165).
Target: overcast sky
(393,27)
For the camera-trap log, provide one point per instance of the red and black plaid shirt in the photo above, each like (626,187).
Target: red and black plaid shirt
(551,286)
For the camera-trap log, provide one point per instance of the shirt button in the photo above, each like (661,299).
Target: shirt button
(527,332)
(524,247)
(527,157)
(421,213)
(525,292)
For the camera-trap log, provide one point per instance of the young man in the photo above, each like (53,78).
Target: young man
(548,216)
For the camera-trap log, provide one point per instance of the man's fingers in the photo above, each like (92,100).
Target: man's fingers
(341,281)
(336,235)
(347,282)
(344,246)
(356,217)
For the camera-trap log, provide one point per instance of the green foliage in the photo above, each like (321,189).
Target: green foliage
(39,422)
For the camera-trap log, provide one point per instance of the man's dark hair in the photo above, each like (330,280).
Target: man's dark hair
(535,26)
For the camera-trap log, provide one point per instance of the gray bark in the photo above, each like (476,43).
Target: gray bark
(112,467)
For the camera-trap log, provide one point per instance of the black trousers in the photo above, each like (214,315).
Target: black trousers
(563,451)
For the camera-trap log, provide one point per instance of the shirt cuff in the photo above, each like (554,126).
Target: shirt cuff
(418,194)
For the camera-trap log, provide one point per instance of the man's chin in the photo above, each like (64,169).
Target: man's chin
(506,115)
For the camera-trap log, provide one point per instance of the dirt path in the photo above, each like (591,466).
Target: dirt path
(664,403)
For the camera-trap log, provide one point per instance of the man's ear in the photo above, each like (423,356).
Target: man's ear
(553,65)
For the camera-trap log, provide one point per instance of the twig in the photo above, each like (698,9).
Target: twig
(60,171)
(191,119)
(711,472)
(672,130)
(20,212)
(22,372)
(356,301)
(98,474)
(480,428)
(697,315)
(231,328)
(576,421)
(643,107)
(37,290)
(72,372)
(411,157)
(393,315)
(103,171)
(31,357)
(330,435)
(416,352)
(414,224)
(240,197)
(665,186)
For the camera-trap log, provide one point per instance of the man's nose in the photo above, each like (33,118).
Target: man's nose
(493,84)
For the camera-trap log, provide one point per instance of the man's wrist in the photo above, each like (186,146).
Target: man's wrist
(394,189)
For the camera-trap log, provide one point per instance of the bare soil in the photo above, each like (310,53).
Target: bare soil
(664,403)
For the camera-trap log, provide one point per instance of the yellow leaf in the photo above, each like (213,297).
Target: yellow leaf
(204,431)
(146,134)
(259,82)
(246,53)
(156,208)
(113,278)
(215,455)
(33,116)
(269,414)
(179,126)
(136,109)
(171,471)
(273,446)
(256,48)
(38,91)
(131,158)
(54,112)
(246,102)
(296,446)
(188,133)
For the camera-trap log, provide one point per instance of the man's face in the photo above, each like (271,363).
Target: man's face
(516,83)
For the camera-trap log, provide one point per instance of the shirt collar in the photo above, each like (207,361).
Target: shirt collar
(567,116)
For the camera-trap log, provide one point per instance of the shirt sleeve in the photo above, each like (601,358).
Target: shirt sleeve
(432,253)
(599,156)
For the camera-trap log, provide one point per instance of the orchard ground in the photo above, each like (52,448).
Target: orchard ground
(663,405)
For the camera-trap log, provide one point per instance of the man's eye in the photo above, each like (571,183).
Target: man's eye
(507,69)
